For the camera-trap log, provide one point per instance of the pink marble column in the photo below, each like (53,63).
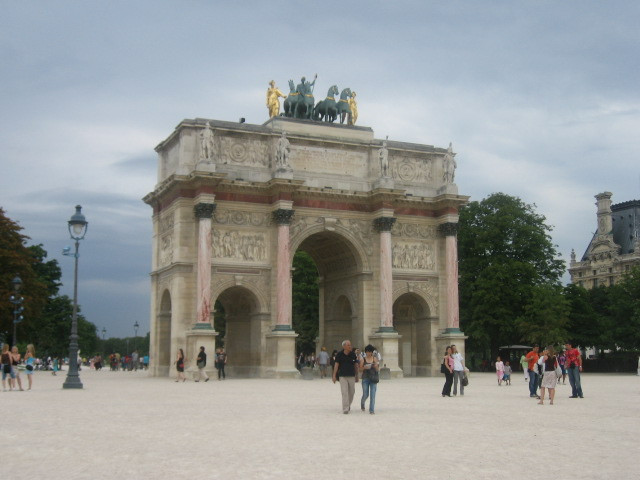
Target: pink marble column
(282,217)
(449,230)
(204,214)
(384,225)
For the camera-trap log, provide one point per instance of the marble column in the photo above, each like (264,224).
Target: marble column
(282,217)
(449,231)
(204,214)
(383,225)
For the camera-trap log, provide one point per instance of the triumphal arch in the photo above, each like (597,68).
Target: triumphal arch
(235,201)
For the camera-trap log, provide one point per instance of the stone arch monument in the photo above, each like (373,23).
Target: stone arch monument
(235,201)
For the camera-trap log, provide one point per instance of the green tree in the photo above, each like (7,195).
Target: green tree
(625,311)
(305,299)
(506,259)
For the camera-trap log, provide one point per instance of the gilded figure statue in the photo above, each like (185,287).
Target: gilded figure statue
(353,105)
(273,99)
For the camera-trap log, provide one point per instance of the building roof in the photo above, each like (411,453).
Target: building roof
(626,224)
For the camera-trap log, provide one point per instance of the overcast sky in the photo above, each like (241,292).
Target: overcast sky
(540,100)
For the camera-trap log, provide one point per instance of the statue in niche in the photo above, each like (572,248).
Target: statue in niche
(383,155)
(450,165)
(573,255)
(273,101)
(207,144)
(283,149)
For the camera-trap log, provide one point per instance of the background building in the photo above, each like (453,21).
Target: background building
(615,246)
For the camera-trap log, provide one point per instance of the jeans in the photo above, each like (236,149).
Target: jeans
(458,375)
(220,367)
(369,389)
(446,390)
(533,383)
(574,380)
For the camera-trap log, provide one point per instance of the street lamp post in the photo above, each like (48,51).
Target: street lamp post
(17,307)
(77,229)
(135,339)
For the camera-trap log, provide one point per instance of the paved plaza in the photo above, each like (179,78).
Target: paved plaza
(129,425)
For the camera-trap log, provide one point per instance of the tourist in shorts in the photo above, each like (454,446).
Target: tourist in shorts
(180,360)
(15,362)
(30,363)
(323,362)
(7,370)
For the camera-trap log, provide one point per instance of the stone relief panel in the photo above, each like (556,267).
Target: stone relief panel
(325,160)
(413,256)
(166,223)
(246,152)
(166,250)
(240,246)
(239,217)
(413,230)
(411,169)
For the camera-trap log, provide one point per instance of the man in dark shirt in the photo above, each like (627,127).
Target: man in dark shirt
(345,369)
(201,363)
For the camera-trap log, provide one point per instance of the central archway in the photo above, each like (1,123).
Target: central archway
(339,265)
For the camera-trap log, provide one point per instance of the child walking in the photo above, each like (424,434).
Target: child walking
(499,370)
(507,373)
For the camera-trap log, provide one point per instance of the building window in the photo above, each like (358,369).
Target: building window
(595,272)
(610,280)
(580,283)
(580,274)
(626,268)
(595,283)
(610,270)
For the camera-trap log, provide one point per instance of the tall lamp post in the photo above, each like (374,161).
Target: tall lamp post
(135,339)
(77,229)
(17,307)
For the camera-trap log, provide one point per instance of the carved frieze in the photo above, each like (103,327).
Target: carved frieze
(235,245)
(248,152)
(413,256)
(166,223)
(412,169)
(413,230)
(427,288)
(166,250)
(360,229)
(240,217)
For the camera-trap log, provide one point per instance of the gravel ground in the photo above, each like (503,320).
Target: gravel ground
(129,425)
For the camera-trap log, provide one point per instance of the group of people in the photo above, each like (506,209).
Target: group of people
(454,371)
(128,362)
(201,362)
(10,359)
(543,371)
(350,366)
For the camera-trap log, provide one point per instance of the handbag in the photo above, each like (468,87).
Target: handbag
(558,371)
(29,367)
(374,376)
(443,369)
(465,380)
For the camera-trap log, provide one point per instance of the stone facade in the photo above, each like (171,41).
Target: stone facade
(233,204)
(615,247)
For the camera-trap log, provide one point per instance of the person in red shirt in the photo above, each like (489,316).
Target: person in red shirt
(532,363)
(574,368)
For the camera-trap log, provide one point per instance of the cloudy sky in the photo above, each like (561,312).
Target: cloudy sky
(540,100)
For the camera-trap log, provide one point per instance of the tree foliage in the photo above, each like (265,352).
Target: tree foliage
(305,301)
(509,272)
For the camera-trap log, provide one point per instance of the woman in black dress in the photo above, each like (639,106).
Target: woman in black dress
(180,365)
(447,363)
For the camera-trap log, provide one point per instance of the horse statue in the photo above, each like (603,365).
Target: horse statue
(326,109)
(304,107)
(343,104)
(291,101)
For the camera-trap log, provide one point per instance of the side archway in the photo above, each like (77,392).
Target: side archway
(411,318)
(163,334)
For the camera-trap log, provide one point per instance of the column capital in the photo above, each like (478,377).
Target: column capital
(384,224)
(448,229)
(282,216)
(204,210)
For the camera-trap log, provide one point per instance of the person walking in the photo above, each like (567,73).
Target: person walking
(447,369)
(574,368)
(549,379)
(221,361)
(5,361)
(369,368)
(562,360)
(499,370)
(507,373)
(532,365)
(344,371)
(15,361)
(201,362)
(323,362)
(180,360)
(458,370)
(525,367)
(30,363)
